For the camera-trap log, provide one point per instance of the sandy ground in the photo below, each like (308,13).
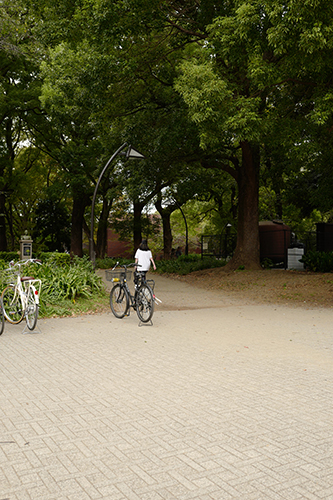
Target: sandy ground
(217,288)
(248,308)
(285,287)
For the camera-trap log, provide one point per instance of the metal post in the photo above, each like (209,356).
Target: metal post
(91,242)
(186,228)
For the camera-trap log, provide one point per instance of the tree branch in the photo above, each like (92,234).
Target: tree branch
(217,164)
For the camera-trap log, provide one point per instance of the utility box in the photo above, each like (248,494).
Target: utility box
(26,247)
(294,256)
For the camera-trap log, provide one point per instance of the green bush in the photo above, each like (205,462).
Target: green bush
(182,266)
(185,264)
(8,256)
(318,261)
(66,283)
(56,258)
(109,262)
(191,257)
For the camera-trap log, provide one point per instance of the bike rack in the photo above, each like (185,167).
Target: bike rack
(148,323)
(26,329)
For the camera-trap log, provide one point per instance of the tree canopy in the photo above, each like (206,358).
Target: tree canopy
(242,88)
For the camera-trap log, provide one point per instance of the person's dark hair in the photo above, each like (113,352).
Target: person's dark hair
(144,245)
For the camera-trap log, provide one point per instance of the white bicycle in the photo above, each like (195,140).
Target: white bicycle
(21,297)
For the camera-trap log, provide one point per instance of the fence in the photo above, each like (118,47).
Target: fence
(223,245)
(220,246)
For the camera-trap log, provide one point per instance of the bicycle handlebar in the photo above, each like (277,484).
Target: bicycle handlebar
(12,263)
(125,266)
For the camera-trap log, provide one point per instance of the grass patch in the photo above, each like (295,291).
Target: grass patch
(81,306)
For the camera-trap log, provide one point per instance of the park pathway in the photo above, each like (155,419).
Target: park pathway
(215,400)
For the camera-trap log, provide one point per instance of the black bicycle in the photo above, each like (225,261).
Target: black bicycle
(121,298)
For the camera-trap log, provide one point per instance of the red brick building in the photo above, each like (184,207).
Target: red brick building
(117,247)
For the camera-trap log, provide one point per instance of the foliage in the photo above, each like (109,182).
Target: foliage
(267,263)
(52,225)
(321,262)
(188,264)
(8,256)
(109,263)
(164,76)
(56,259)
(67,284)
(185,264)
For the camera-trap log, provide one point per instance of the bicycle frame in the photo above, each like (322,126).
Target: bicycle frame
(142,280)
(24,284)
(24,290)
(142,300)
(132,298)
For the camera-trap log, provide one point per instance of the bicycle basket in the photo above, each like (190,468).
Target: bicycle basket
(117,274)
(9,276)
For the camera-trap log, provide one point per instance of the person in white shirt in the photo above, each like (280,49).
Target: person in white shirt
(144,257)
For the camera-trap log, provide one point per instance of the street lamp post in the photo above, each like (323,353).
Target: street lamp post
(186,227)
(130,153)
(185,221)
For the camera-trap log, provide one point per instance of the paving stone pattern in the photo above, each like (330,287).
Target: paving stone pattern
(229,402)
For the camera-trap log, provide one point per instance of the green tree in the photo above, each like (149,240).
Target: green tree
(257,85)
(52,225)
(19,105)
(255,79)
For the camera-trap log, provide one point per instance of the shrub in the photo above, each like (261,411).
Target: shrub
(8,256)
(110,262)
(56,258)
(64,281)
(318,261)
(191,257)
(181,266)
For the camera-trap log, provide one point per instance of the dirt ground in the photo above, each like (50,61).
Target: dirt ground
(294,288)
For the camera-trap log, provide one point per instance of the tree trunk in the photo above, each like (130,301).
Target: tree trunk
(165,214)
(247,251)
(101,245)
(79,205)
(167,235)
(137,229)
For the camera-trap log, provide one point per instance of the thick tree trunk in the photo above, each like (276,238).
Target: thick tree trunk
(79,205)
(247,251)
(165,214)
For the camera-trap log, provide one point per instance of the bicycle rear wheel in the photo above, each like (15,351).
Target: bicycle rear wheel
(119,301)
(31,312)
(12,305)
(145,303)
(2,318)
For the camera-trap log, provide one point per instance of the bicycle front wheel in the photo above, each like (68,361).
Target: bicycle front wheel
(2,318)
(31,312)
(145,303)
(12,305)
(119,301)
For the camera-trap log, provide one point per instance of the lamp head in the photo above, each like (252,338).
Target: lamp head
(133,154)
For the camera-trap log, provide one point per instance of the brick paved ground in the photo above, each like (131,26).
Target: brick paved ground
(224,402)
